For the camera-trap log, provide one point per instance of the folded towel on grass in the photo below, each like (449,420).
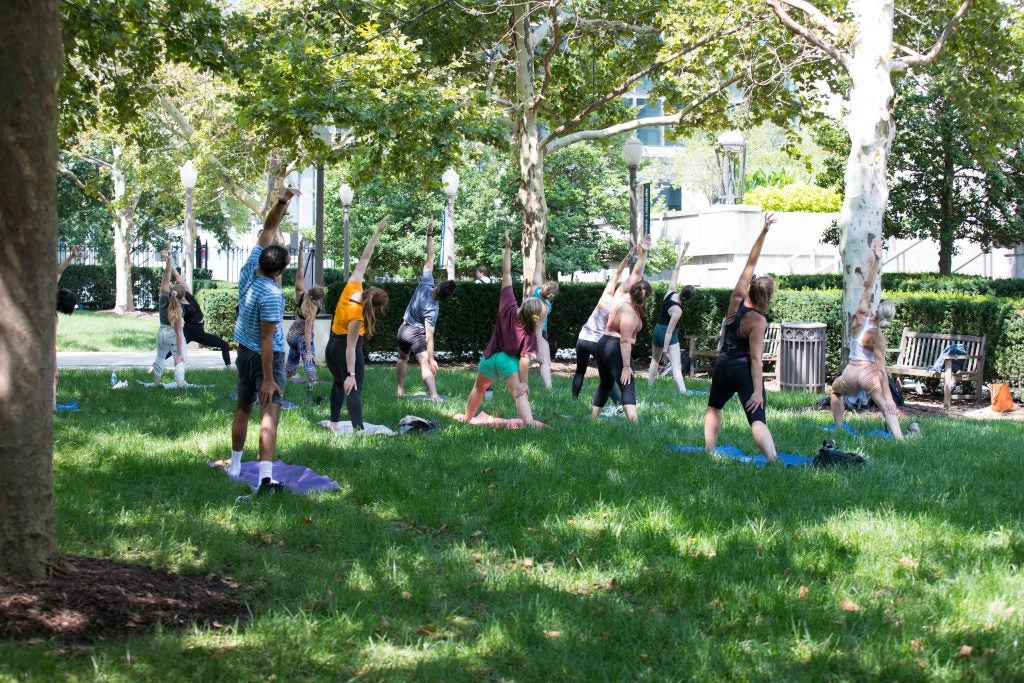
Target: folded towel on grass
(296,478)
(486,420)
(69,407)
(736,453)
(174,385)
(368,429)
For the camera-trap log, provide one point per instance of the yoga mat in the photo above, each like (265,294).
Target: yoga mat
(878,433)
(483,419)
(368,429)
(69,407)
(296,478)
(286,405)
(174,385)
(734,452)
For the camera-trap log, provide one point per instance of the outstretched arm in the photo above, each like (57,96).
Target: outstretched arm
(674,280)
(864,307)
(743,284)
(428,263)
(165,284)
(272,224)
(300,273)
(67,262)
(364,260)
(177,276)
(609,288)
(506,263)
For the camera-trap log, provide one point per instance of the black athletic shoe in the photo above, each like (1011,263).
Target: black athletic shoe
(266,488)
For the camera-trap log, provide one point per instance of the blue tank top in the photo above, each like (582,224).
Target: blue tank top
(735,346)
(536,294)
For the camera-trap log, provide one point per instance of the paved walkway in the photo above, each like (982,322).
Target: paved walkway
(91,360)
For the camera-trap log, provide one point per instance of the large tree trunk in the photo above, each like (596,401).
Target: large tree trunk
(871,131)
(532,203)
(30,67)
(947,229)
(124,299)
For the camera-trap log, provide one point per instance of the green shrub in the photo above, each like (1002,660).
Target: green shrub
(914,282)
(220,310)
(795,197)
(96,285)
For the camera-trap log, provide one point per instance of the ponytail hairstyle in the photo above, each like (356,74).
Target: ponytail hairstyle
(310,307)
(375,302)
(638,295)
(760,292)
(529,314)
(885,313)
(174,303)
(548,290)
(687,293)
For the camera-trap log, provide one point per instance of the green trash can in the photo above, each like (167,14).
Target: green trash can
(802,356)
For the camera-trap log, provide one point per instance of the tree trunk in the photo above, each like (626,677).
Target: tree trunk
(947,229)
(530,199)
(871,131)
(123,218)
(30,67)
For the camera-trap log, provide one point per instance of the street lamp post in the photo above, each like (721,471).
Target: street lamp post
(346,194)
(732,166)
(189,175)
(450,179)
(632,154)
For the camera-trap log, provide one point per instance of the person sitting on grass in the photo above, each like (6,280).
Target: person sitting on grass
(416,333)
(261,346)
(67,302)
(544,293)
(355,317)
(739,368)
(170,337)
(195,327)
(666,332)
(512,345)
(866,369)
(308,305)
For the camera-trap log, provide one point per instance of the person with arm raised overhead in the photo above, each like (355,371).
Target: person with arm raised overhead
(170,337)
(308,304)
(665,339)
(194,325)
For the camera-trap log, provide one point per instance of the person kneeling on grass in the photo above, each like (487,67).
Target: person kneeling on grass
(512,344)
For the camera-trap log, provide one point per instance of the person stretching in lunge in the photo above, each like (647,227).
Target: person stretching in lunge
(170,338)
(665,339)
(512,344)
(300,335)
(195,327)
(545,293)
(866,369)
(615,350)
(355,317)
(416,333)
(739,368)
(261,346)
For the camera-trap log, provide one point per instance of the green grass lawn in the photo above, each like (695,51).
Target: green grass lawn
(98,331)
(586,551)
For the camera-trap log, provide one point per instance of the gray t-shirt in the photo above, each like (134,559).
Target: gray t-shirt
(423,307)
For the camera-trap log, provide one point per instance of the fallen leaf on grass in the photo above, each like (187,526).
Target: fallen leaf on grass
(527,562)
(267,539)
(306,521)
(964,651)
(848,605)
(998,608)
(427,629)
(916,645)
(908,562)
(715,603)
(406,595)
(552,634)
(384,623)
(476,534)
(802,592)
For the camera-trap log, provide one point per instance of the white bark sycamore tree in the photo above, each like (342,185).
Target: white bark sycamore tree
(863,38)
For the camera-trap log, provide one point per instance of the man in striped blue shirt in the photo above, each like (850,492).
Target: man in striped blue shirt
(261,345)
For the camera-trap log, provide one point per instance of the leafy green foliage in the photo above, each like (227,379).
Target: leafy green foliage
(94,285)
(220,310)
(915,282)
(795,197)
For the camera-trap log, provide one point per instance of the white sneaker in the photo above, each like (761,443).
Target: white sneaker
(914,431)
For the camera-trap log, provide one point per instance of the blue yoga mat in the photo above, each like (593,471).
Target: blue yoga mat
(878,433)
(69,407)
(296,478)
(736,453)
(286,405)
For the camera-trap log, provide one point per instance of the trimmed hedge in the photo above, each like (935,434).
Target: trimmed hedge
(467,318)
(915,282)
(96,285)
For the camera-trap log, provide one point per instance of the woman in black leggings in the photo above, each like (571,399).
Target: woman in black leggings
(195,328)
(615,350)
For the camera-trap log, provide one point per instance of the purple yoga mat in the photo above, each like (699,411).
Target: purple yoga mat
(296,478)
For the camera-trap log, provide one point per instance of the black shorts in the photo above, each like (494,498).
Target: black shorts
(733,377)
(412,339)
(250,374)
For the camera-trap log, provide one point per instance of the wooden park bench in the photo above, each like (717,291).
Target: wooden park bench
(700,348)
(919,350)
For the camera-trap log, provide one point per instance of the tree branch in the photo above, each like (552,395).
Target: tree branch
(816,15)
(555,39)
(918,59)
(806,33)
(86,190)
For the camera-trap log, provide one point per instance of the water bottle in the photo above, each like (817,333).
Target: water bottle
(113,377)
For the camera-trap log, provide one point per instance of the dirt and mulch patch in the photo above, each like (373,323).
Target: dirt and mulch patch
(99,599)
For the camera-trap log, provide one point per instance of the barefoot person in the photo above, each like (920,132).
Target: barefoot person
(170,337)
(665,339)
(416,333)
(866,369)
(512,344)
(67,301)
(355,317)
(739,369)
(308,304)
(261,346)
(195,327)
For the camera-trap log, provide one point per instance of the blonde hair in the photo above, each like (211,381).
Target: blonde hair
(549,290)
(885,313)
(375,302)
(529,314)
(760,292)
(310,307)
(174,294)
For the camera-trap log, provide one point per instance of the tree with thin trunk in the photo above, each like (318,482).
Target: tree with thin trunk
(859,38)
(30,68)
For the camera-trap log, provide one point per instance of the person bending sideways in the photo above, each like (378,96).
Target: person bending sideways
(512,344)
(739,369)
(261,346)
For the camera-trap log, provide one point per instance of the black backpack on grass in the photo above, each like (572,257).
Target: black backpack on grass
(829,456)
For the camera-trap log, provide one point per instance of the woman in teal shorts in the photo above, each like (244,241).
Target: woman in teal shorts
(512,344)
(666,329)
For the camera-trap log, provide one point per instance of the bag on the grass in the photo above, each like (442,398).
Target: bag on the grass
(896,390)
(830,456)
(684,361)
(1002,399)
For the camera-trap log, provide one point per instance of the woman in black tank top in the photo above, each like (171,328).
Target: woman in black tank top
(665,336)
(739,368)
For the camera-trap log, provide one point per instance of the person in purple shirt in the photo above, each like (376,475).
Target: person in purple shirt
(416,333)
(512,345)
